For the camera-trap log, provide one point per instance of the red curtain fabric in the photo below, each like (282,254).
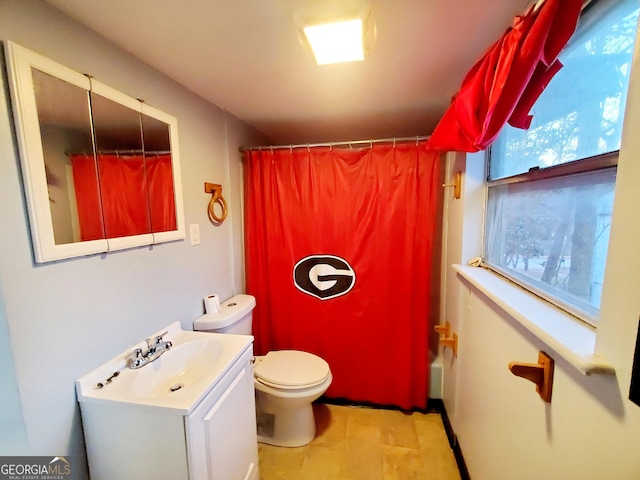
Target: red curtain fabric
(506,82)
(123,187)
(318,219)
(127,196)
(161,195)
(85,182)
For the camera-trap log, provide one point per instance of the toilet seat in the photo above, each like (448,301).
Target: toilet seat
(291,369)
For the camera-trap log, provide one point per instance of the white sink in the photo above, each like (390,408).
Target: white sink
(182,366)
(175,381)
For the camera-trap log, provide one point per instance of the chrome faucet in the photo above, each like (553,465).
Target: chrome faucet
(155,347)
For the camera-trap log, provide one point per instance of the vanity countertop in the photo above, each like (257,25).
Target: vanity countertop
(175,382)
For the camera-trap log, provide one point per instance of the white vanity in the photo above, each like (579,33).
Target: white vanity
(188,414)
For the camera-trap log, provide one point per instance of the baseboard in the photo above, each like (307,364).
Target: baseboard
(438,405)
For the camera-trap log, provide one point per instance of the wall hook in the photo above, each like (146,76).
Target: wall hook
(443,329)
(541,374)
(446,339)
(216,198)
(457,181)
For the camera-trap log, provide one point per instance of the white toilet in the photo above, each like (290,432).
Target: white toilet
(285,381)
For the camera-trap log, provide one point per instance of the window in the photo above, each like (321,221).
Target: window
(551,187)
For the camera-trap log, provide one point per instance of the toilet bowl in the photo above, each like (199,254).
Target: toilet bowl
(286,382)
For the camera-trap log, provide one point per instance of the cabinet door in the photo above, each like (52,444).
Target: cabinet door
(230,432)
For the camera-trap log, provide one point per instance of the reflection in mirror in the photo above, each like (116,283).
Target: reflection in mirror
(63,114)
(135,174)
(157,156)
(122,176)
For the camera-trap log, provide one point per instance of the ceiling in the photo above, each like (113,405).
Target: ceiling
(245,57)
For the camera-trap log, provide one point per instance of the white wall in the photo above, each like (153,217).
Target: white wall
(13,439)
(62,319)
(590,430)
(461,236)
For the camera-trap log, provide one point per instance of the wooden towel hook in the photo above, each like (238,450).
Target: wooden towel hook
(216,198)
(457,184)
(446,339)
(443,329)
(540,373)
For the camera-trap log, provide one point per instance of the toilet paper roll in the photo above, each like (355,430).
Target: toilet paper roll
(212,304)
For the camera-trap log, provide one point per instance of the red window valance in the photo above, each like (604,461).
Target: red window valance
(503,86)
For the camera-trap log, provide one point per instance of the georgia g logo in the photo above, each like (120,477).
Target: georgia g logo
(324,276)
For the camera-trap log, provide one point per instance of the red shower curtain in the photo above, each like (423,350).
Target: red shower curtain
(162,206)
(123,188)
(338,252)
(135,195)
(85,183)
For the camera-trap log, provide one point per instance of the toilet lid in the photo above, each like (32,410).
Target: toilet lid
(292,368)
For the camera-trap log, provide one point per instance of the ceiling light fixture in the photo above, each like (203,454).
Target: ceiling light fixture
(337,32)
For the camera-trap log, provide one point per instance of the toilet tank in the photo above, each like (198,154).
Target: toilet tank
(236,316)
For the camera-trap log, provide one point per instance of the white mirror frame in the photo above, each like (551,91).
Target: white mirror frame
(20,61)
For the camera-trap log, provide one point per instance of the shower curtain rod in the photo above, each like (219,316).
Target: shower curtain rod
(121,152)
(348,144)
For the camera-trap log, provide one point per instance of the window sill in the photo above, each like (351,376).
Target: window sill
(569,338)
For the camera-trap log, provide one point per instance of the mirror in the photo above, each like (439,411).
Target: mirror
(64,120)
(157,154)
(101,169)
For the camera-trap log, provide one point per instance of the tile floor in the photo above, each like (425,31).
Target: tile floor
(361,443)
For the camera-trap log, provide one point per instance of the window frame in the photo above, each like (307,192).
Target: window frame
(573,306)
(569,169)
